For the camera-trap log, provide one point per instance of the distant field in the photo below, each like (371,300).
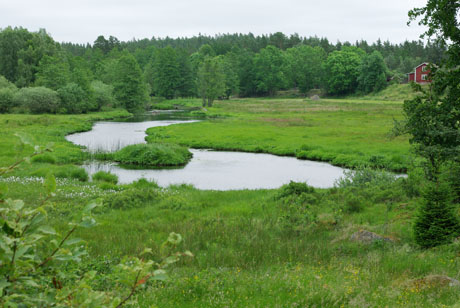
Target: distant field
(346,132)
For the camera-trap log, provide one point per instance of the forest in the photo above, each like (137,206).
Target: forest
(40,75)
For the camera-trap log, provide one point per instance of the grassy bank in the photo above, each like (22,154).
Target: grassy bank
(43,130)
(253,250)
(346,132)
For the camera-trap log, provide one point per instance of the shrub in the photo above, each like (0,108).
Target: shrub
(365,177)
(78,174)
(37,100)
(132,198)
(144,183)
(155,154)
(73,99)
(6,99)
(296,201)
(103,176)
(294,188)
(5,83)
(354,204)
(102,94)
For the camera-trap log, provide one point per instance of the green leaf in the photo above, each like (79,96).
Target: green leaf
(146,251)
(7,229)
(16,205)
(21,251)
(174,238)
(73,241)
(50,184)
(90,206)
(24,138)
(87,222)
(188,253)
(159,275)
(46,230)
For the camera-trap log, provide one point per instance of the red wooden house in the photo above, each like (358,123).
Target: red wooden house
(420,74)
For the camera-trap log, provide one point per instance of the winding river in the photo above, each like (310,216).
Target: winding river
(208,169)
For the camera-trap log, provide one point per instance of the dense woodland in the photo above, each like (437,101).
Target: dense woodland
(40,75)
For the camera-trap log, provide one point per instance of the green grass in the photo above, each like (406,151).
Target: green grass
(254,248)
(245,256)
(345,132)
(102,176)
(43,130)
(153,155)
(394,92)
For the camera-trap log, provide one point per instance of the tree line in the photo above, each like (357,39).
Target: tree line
(41,75)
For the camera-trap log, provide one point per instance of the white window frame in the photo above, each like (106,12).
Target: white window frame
(424,77)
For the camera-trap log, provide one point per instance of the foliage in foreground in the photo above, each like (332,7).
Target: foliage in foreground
(153,155)
(33,255)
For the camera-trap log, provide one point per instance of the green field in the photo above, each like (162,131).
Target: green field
(346,132)
(255,248)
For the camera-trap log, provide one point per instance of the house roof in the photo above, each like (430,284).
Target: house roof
(424,63)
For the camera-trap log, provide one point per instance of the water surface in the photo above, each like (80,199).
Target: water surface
(207,169)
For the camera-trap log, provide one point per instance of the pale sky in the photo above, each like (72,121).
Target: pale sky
(81,21)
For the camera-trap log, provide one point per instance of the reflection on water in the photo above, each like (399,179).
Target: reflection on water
(207,169)
(231,170)
(112,136)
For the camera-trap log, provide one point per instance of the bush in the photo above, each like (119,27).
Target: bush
(144,183)
(103,94)
(365,177)
(37,100)
(5,84)
(294,188)
(6,99)
(73,99)
(354,204)
(155,154)
(296,201)
(132,198)
(103,176)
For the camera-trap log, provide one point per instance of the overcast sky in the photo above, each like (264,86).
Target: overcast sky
(81,21)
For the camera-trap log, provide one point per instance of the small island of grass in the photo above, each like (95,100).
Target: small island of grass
(153,155)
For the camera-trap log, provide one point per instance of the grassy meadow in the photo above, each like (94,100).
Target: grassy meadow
(288,247)
(345,132)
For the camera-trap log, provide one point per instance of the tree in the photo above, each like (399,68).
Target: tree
(166,74)
(433,122)
(102,44)
(211,80)
(73,99)
(129,87)
(21,52)
(342,70)
(268,66)
(372,73)
(53,72)
(304,67)
(102,94)
(229,63)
